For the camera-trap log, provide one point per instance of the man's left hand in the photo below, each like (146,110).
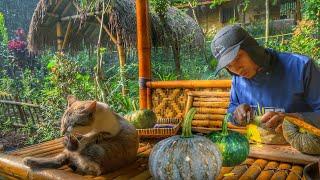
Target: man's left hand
(273,120)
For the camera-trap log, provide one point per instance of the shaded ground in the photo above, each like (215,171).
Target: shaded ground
(12,140)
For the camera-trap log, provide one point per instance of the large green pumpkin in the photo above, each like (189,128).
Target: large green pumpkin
(301,139)
(142,119)
(233,146)
(185,157)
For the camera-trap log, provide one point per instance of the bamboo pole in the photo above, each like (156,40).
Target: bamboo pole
(190,84)
(212,104)
(210,94)
(144,49)
(66,37)
(149,98)
(268,170)
(112,37)
(122,62)
(254,170)
(59,35)
(77,16)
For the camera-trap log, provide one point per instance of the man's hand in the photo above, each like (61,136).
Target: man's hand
(273,120)
(241,114)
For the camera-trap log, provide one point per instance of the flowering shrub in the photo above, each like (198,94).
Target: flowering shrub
(17,45)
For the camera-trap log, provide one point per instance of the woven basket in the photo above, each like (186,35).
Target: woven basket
(161,132)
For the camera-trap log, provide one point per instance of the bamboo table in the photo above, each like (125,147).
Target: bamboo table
(264,162)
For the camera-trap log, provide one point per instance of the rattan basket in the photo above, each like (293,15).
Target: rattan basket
(161,132)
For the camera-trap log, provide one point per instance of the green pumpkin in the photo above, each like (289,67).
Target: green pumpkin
(142,119)
(233,146)
(301,139)
(185,157)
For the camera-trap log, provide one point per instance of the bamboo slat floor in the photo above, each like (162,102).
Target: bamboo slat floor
(252,168)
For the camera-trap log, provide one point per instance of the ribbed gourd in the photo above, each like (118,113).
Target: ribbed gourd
(234,147)
(185,156)
(301,139)
(142,119)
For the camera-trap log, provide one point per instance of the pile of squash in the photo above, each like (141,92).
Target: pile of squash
(189,156)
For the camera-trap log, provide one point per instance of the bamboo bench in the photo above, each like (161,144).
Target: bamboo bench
(169,100)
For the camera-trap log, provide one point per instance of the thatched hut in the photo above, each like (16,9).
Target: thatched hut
(65,25)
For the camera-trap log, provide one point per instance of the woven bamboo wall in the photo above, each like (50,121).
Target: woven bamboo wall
(171,102)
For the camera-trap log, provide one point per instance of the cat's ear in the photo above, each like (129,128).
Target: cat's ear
(71,99)
(92,106)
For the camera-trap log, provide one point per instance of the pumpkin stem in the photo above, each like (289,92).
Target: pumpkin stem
(187,122)
(225,124)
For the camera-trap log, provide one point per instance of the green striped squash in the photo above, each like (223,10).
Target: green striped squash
(233,146)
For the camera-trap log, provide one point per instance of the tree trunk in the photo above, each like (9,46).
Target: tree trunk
(298,11)
(176,57)
(267,22)
(122,61)
(99,71)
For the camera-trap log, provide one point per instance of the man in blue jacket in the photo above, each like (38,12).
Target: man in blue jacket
(284,82)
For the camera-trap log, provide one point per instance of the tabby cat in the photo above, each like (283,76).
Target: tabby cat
(96,140)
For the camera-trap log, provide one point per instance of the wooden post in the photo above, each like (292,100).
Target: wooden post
(267,22)
(59,36)
(144,49)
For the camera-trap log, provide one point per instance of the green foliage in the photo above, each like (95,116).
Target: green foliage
(304,41)
(3,31)
(311,11)
(215,3)
(160,6)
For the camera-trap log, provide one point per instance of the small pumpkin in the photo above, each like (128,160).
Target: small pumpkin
(234,147)
(142,119)
(185,157)
(301,139)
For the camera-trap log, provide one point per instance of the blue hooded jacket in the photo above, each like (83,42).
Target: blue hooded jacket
(292,85)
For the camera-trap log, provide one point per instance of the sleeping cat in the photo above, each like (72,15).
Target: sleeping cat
(96,140)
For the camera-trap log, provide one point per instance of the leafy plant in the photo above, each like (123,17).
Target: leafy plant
(304,40)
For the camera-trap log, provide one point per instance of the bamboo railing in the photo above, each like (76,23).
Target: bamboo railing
(19,110)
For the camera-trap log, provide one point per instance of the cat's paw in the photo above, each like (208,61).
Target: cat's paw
(29,161)
(94,171)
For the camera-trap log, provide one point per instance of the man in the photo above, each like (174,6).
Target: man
(283,81)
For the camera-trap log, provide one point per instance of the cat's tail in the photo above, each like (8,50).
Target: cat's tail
(52,162)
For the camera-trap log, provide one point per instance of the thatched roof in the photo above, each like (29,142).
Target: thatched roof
(120,17)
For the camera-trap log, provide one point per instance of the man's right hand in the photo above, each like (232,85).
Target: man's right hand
(241,113)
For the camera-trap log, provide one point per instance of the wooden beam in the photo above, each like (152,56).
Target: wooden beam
(78,16)
(190,84)
(66,36)
(144,49)
(112,37)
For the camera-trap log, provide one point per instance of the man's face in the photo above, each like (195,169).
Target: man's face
(243,65)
